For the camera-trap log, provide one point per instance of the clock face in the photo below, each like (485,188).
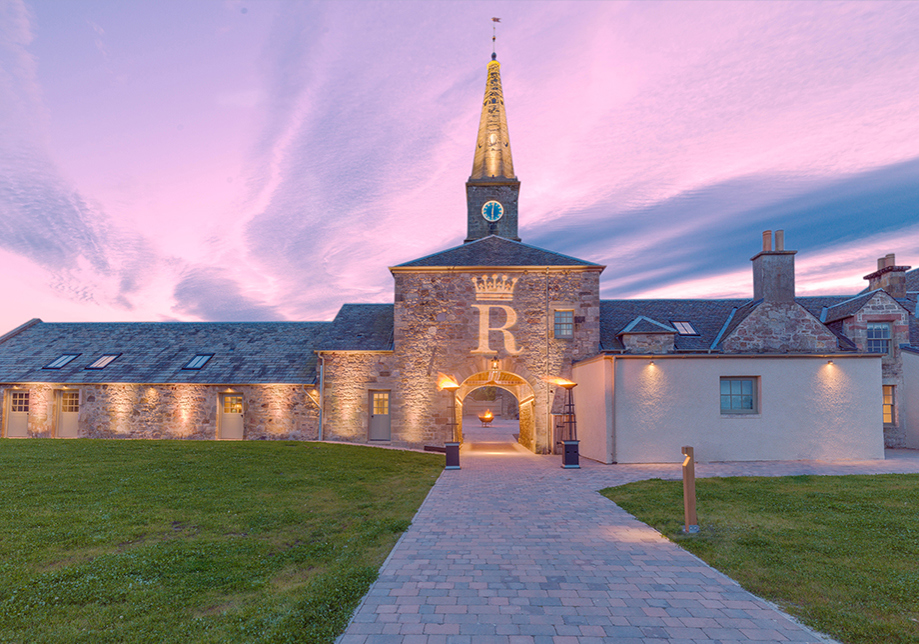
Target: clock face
(492,210)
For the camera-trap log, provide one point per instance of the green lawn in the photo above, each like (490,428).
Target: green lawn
(839,552)
(175,541)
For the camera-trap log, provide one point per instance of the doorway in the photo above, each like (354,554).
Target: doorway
(509,384)
(490,415)
(68,414)
(380,426)
(230,421)
(17,414)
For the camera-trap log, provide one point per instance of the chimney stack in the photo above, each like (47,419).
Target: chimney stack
(774,270)
(889,276)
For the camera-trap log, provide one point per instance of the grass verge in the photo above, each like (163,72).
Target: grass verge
(841,553)
(173,541)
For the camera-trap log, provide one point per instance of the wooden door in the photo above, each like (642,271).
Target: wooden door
(17,414)
(380,427)
(230,423)
(68,414)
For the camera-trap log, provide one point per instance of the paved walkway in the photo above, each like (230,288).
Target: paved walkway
(512,549)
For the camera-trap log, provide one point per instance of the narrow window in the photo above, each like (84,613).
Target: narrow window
(564,324)
(198,361)
(60,362)
(878,337)
(685,328)
(890,414)
(70,401)
(104,361)
(738,396)
(20,401)
(380,403)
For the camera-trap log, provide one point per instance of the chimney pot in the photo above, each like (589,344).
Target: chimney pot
(882,262)
(780,240)
(890,260)
(767,240)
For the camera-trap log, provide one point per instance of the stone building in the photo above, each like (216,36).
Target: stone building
(772,377)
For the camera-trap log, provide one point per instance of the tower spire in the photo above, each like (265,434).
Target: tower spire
(492,188)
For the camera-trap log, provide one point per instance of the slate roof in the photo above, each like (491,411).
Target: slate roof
(496,251)
(706,316)
(846,308)
(361,327)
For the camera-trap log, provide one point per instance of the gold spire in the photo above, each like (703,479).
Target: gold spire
(493,145)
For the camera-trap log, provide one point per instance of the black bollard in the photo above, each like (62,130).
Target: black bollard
(452,456)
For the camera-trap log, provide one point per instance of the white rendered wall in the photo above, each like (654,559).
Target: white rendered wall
(593,400)
(808,409)
(909,403)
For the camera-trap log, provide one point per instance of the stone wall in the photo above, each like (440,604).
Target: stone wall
(777,327)
(282,412)
(442,328)
(883,308)
(648,342)
(348,379)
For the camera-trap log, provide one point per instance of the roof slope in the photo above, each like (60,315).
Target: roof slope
(361,327)
(706,316)
(155,352)
(495,251)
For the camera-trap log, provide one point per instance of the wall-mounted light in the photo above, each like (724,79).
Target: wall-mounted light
(495,364)
(650,363)
(829,362)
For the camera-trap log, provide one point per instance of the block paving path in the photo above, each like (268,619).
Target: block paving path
(513,549)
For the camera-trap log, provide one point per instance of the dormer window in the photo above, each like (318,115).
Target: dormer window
(61,361)
(198,361)
(104,361)
(878,337)
(685,328)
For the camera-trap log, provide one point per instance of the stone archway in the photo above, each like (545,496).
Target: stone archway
(512,383)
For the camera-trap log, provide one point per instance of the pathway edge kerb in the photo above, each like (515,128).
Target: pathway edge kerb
(389,556)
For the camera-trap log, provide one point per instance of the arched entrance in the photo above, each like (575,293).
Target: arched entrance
(511,383)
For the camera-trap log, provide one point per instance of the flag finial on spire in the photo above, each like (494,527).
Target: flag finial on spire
(494,37)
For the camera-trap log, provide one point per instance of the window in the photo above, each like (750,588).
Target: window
(60,362)
(20,401)
(878,337)
(890,415)
(70,401)
(738,396)
(198,361)
(685,328)
(104,361)
(380,403)
(232,404)
(564,324)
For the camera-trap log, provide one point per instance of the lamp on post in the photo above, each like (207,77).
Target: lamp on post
(570,457)
(452,447)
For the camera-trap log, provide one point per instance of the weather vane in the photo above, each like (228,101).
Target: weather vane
(494,28)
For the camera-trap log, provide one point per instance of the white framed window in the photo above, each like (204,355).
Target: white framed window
(198,361)
(890,407)
(684,328)
(739,395)
(380,403)
(70,401)
(103,361)
(19,402)
(564,324)
(61,361)
(879,337)
(233,404)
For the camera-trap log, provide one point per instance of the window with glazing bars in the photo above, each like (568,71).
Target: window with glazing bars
(232,404)
(70,401)
(738,395)
(19,401)
(878,337)
(889,404)
(564,324)
(380,403)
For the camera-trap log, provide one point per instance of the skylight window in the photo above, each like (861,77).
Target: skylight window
(685,328)
(198,361)
(104,361)
(60,362)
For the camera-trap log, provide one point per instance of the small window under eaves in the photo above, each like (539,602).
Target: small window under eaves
(685,328)
(198,361)
(61,361)
(104,361)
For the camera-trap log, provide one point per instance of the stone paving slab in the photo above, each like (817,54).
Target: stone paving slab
(512,549)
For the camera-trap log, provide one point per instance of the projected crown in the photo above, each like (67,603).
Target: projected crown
(496,287)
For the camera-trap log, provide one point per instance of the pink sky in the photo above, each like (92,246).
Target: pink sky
(269,160)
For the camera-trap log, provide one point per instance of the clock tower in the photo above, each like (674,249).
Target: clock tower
(492,189)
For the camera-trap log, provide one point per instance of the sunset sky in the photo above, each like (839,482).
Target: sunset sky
(207,160)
